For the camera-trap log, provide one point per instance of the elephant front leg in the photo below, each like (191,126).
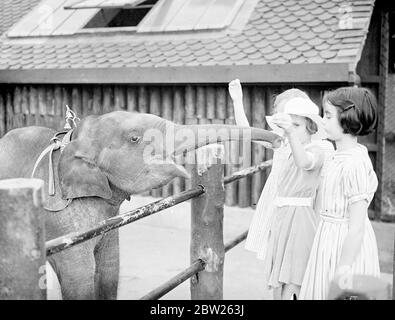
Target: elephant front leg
(75,268)
(107,266)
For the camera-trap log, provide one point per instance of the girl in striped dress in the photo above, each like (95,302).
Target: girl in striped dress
(284,223)
(345,243)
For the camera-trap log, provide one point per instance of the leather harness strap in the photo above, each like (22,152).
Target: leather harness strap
(55,145)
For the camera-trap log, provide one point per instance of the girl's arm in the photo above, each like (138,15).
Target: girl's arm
(236,94)
(353,241)
(358,186)
(237,97)
(303,159)
(240,116)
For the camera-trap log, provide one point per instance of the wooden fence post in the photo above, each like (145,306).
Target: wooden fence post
(22,240)
(207,224)
(2,116)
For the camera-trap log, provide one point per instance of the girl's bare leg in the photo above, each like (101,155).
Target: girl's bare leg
(277,293)
(289,290)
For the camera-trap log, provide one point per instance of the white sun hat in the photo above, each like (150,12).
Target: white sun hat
(306,108)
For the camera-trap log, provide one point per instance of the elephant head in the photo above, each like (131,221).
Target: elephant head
(134,152)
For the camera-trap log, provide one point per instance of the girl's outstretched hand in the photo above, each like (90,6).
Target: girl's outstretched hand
(235,90)
(284,121)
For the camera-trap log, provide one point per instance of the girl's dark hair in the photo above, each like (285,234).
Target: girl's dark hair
(357,109)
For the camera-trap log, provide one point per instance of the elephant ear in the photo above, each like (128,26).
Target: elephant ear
(79,175)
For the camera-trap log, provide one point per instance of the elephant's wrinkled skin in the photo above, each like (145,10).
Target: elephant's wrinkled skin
(100,168)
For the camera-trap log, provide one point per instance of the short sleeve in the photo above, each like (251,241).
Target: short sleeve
(317,156)
(328,153)
(360,182)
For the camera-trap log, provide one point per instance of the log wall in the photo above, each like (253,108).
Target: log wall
(44,105)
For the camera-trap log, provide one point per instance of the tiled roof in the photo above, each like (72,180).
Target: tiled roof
(277,32)
(13,10)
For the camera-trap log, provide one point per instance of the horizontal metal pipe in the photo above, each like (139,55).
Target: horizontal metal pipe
(194,268)
(174,282)
(233,243)
(71,239)
(247,172)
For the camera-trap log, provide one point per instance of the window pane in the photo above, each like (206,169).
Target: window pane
(32,21)
(161,15)
(77,20)
(125,3)
(85,3)
(173,15)
(218,15)
(189,15)
(51,23)
(105,4)
(115,17)
(127,18)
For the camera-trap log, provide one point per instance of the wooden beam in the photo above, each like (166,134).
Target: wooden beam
(245,184)
(383,72)
(372,147)
(290,73)
(370,79)
(3,121)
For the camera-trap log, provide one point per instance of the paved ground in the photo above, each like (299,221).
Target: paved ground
(156,248)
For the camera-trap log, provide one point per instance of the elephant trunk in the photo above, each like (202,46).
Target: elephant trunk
(190,137)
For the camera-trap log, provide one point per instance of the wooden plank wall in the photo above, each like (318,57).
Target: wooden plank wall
(373,70)
(45,105)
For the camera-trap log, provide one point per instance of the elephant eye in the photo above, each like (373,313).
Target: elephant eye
(135,139)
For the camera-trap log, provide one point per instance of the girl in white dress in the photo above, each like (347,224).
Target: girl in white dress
(345,243)
(284,223)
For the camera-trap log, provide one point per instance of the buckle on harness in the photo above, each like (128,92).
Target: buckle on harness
(55,144)
(71,118)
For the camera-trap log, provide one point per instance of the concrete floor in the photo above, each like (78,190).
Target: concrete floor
(156,248)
